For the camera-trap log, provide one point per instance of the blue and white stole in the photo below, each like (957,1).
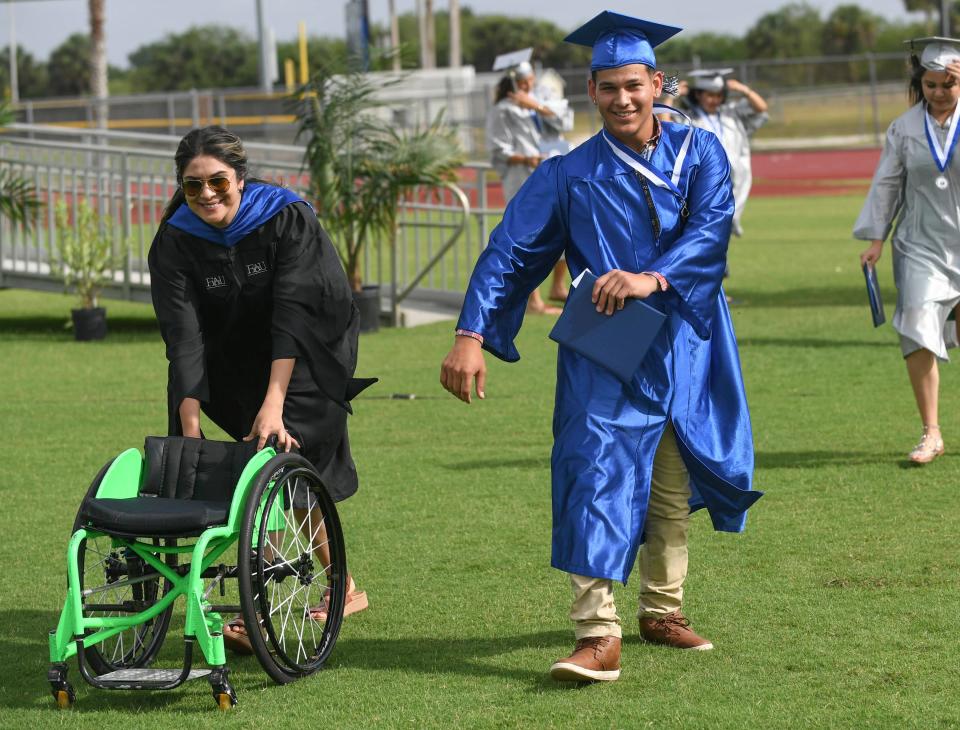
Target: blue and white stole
(642,166)
(259,203)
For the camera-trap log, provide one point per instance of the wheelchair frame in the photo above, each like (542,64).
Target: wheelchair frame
(262,481)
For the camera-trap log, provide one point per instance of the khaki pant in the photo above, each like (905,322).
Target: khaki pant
(663,556)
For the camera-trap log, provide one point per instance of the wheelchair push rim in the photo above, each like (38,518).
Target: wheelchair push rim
(291,560)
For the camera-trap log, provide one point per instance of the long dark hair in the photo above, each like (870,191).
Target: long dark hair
(505,87)
(211,141)
(915,87)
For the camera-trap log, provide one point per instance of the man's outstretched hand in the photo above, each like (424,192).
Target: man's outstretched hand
(463,366)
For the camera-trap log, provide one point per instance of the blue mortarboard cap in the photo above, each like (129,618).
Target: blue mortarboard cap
(618,40)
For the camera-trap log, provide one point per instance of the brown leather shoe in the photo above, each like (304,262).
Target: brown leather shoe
(594,659)
(672,630)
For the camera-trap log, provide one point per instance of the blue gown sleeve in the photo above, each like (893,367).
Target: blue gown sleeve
(520,254)
(693,266)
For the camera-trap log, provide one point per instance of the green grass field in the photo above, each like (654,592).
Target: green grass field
(836,608)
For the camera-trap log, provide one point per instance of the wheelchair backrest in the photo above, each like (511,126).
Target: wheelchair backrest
(177,467)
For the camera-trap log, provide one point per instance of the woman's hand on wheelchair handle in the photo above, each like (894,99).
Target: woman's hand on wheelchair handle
(269,422)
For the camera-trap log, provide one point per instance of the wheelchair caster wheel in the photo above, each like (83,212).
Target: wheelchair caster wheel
(223,693)
(61,689)
(64,698)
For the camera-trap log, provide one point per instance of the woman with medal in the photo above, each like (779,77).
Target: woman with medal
(918,182)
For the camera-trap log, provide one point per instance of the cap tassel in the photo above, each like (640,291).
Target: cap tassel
(671,85)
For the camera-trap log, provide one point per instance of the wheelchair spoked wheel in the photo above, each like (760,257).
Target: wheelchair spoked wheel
(118,583)
(107,572)
(291,560)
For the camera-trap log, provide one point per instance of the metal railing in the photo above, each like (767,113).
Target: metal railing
(415,100)
(128,179)
(870,86)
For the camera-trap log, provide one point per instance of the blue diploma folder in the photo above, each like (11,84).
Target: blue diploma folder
(873,294)
(617,342)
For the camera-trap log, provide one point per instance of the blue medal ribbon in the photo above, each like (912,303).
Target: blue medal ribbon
(941,157)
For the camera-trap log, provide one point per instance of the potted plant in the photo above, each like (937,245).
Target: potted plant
(18,196)
(85,260)
(360,166)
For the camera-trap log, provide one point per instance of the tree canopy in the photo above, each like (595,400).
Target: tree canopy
(31,74)
(69,67)
(202,57)
(215,56)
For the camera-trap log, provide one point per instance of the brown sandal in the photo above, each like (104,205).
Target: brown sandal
(355,601)
(235,637)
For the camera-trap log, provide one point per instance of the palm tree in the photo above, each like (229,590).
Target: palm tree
(18,196)
(360,166)
(927,7)
(98,60)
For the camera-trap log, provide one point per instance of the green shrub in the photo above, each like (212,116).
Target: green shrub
(85,258)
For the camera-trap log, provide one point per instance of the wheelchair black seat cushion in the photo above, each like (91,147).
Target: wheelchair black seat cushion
(186,487)
(154,516)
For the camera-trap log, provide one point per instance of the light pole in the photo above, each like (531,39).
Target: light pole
(394,34)
(12,51)
(14,73)
(456,56)
(266,80)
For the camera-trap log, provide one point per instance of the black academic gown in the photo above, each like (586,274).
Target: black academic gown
(226,313)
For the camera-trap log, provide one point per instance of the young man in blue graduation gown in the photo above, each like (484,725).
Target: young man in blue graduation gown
(647,206)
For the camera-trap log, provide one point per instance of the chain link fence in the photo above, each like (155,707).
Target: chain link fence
(825,100)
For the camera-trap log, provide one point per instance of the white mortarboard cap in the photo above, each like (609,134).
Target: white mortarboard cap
(709,79)
(523,70)
(514,59)
(937,51)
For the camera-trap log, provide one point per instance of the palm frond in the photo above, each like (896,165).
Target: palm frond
(359,163)
(18,196)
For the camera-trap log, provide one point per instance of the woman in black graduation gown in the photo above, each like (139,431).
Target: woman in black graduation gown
(257,316)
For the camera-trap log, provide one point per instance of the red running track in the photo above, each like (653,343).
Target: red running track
(803,172)
(813,172)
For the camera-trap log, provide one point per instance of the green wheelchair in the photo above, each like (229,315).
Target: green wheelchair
(165,525)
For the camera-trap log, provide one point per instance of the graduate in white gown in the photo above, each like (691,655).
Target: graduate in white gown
(917,183)
(734,121)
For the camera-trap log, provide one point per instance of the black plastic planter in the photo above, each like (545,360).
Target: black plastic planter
(368,302)
(89,324)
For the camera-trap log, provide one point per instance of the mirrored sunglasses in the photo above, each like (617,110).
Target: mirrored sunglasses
(217,184)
